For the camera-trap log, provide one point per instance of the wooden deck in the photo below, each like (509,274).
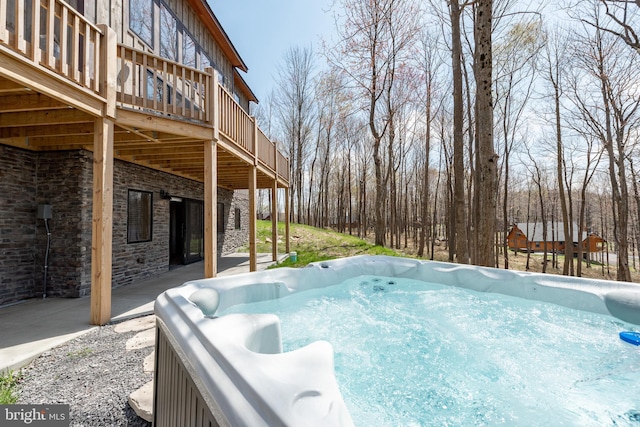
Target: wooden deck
(77,88)
(163,112)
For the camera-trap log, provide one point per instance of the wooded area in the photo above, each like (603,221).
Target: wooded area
(446,122)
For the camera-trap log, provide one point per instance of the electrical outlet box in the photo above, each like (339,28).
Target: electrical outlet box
(44,212)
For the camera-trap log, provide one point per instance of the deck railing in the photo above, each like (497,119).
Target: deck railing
(152,83)
(266,150)
(52,34)
(235,123)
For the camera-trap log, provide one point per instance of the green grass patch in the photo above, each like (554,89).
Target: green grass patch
(314,244)
(8,387)
(80,353)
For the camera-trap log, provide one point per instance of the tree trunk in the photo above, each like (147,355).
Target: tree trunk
(460,241)
(486,171)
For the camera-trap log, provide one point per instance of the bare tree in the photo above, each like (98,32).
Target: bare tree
(295,103)
(372,36)
(610,113)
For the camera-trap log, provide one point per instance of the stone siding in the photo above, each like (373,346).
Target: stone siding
(17,224)
(64,180)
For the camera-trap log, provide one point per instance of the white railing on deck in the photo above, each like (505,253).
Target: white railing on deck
(73,52)
(152,83)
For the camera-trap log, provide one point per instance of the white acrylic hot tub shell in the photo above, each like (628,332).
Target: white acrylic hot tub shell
(237,360)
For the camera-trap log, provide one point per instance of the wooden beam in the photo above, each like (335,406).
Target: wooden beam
(29,102)
(43,118)
(140,120)
(194,156)
(210,210)
(108,73)
(253,232)
(101,238)
(49,141)
(163,150)
(48,130)
(19,69)
(274,221)
(8,86)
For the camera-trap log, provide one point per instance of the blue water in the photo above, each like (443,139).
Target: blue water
(410,353)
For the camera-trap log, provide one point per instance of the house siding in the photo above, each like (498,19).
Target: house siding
(64,180)
(17,224)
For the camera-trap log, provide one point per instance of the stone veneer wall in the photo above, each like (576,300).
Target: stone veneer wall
(17,224)
(64,180)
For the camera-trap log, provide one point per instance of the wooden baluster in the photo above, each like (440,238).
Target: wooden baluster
(75,47)
(4,34)
(155,84)
(144,82)
(135,75)
(174,89)
(186,97)
(20,43)
(35,31)
(165,88)
(86,50)
(50,34)
(95,85)
(64,19)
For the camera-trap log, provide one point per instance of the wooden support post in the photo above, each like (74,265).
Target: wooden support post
(108,72)
(210,209)
(274,221)
(286,220)
(102,212)
(253,255)
(211,180)
(101,238)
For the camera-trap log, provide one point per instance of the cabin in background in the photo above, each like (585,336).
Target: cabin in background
(529,237)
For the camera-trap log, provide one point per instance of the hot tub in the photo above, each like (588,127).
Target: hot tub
(231,370)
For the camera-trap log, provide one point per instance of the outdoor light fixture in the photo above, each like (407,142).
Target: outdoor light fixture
(164,195)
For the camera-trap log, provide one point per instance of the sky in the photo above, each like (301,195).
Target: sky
(262,31)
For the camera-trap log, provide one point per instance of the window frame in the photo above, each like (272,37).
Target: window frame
(237,219)
(148,236)
(149,42)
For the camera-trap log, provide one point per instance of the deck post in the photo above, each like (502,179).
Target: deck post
(274,221)
(253,255)
(253,232)
(210,211)
(102,211)
(102,225)
(286,220)
(211,179)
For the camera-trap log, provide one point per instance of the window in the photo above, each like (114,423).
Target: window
(139,216)
(221,221)
(168,34)
(237,218)
(141,19)
(188,51)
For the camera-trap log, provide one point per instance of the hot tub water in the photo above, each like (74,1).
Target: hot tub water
(409,353)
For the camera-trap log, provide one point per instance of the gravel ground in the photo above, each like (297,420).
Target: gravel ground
(94,374)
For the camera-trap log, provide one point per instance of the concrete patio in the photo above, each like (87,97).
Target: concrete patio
(36,325)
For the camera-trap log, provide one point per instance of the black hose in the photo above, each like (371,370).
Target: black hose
(46,259)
